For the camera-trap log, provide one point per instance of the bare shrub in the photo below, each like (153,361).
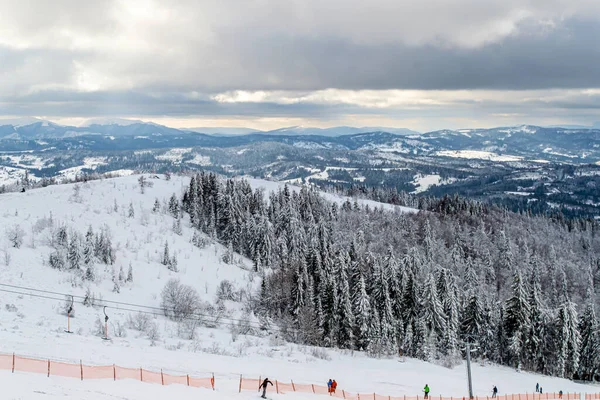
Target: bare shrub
(11,308)
(179,301)
(153,332)
(186,329)
(320,353)
(139,322)
(120,330)
(226,291)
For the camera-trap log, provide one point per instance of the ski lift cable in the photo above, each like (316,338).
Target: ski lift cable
(198,317)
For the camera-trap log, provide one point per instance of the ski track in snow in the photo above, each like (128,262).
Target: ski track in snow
(36,327)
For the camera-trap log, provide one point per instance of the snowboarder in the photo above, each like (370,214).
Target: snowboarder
(494,392)
(537,387)
(541,390)
(560,394)
(329,386)
(333,386)
(263,386)
(426,390)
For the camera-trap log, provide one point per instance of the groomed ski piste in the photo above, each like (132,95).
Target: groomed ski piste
(33,324)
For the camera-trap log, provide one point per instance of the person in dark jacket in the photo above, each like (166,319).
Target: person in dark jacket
(263,386)
(494,392)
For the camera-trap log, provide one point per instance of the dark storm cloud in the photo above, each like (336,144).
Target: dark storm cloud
(563,58)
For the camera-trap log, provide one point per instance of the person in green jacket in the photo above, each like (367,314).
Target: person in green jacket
(426,390)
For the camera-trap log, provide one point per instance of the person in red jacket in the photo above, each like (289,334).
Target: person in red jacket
(333,386)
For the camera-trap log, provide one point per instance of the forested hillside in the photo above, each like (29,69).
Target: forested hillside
(522,288)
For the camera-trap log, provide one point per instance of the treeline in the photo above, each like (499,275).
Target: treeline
(522,288)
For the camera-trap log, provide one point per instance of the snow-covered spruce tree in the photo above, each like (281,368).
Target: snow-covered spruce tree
(74,253)
(362,312)
(433,316)
(166,257)
(448,295)
(129,274)
(517,321)
(589,329)
(346,316)
(537,329)
(568,336)
(174,206)
(177,226)
(131,211)
(156,207)
(88,248)
(173,263)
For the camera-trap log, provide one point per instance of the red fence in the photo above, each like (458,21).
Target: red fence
(12,362)
(282,388)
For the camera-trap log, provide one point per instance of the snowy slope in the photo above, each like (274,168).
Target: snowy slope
(29,324)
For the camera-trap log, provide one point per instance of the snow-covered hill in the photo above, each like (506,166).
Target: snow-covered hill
(30,320)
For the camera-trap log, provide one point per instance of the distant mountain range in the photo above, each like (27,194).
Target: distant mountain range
(579,145)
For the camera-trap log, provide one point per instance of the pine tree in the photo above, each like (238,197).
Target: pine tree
(173,263)
(174,206)
(517,320)
(165,257)
(345,314)
(115,206)
(90,275)
(177,226)
(537,329)
(130,273)
(74,253)
(131,212)
(156,207)
(362,311)
(433,316)
(589,329)
(88,248)
(121,275)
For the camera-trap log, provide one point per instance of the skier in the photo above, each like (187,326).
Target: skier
(329,386)
(494,392)
(537,387)
(333,386)
(263,386)
(560,394)
(541,390)
(426,390)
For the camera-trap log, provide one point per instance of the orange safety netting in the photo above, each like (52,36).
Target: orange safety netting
(6,361)
(64,369)
(249,384)
(30,365)
(303,388)
(104,372)
(128,373)
(207,383)
(284,387)
(318,389)
(175,380)
(151,377)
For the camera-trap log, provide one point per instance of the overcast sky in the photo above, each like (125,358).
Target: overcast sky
(420,64)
